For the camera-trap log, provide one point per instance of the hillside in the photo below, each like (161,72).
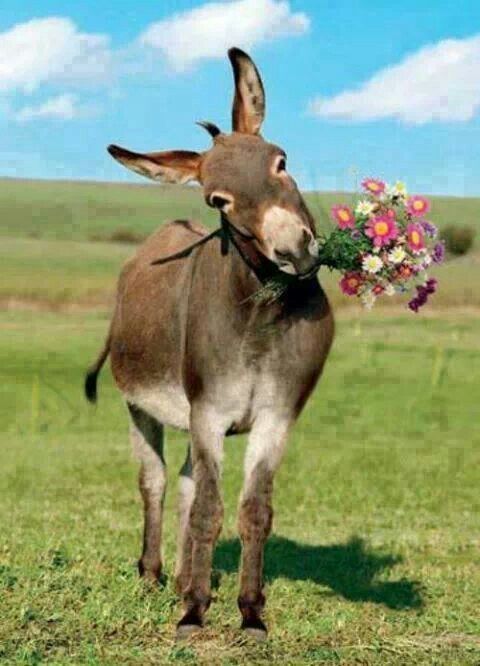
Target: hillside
(60,239)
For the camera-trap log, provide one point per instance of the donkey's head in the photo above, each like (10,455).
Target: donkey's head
(243,176)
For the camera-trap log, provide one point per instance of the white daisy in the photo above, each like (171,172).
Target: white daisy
(372,264)
(390,290)
(397,255)
(368,299)
(365,208)
(398,190)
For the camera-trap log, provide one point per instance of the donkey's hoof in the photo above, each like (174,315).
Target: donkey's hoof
(256,633)
(190,624)
(255,629)
(186,631)
(152,575)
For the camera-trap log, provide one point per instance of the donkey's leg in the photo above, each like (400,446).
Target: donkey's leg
(264,452)
(206,514)
(148,438)
(186,488)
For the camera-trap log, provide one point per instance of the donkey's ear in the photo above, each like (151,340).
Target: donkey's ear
(170,166)
(249,103)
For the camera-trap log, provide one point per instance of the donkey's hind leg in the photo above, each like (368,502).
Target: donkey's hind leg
(186,490)
(148,439)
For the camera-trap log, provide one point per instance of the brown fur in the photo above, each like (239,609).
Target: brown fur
(191,348)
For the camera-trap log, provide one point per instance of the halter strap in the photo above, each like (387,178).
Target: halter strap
(188,250)
(228,233)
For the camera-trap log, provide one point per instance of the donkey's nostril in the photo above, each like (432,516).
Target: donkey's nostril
(283,256)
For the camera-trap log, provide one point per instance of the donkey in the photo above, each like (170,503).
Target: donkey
(192,348)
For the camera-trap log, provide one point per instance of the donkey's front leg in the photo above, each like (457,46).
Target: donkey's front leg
(206,514)
(264,452)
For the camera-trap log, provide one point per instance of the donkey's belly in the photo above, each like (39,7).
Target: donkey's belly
(237,400)
(167,403)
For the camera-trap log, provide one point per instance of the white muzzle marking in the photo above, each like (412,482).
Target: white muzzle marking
(284,232)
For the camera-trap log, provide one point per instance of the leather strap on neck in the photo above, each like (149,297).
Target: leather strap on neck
(261,266)
(188,250)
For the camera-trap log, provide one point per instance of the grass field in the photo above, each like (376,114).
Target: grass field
(52,254)
(62,210)
(59,274)
(374,558)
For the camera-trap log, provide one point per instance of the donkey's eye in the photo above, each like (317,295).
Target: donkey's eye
(281,165)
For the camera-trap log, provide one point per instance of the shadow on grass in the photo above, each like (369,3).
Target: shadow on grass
(348,569)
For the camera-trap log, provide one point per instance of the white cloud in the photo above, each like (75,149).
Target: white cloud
(61,107)
(51,50)
(51,58)
(208,31)
(440,82)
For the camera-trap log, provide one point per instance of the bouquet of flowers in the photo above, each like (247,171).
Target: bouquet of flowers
(384,246)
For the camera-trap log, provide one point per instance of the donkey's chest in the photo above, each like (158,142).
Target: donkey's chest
(241,396)
(237,383)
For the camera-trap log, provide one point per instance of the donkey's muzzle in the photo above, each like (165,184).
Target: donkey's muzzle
(302,262)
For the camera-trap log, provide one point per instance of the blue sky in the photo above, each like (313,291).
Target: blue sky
(372,88)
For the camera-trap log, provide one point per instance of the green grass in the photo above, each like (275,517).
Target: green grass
(374,558)
(85,211)
(49,272)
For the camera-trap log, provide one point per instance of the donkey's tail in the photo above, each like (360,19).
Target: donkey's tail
(90,386)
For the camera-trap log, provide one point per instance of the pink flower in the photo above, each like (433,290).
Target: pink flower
(374,186)
(418,206)
(343,216)
(351,283)
(381,229)
(415,237)
(378,289)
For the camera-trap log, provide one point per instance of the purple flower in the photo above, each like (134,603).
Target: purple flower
(413,305)
(429,228)
(438,254)
(423,292)
(431,286)
(356,234)
(422,295)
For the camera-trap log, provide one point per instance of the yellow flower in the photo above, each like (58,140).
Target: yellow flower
(400,188)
